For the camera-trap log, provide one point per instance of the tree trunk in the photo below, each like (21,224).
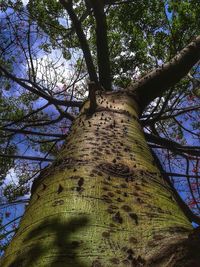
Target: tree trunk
(103,202)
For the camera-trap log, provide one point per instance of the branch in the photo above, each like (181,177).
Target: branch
(92,97)
(24,157)
(67,4)
(32,132)
(27,115)
(39,92)
(174,146)
(188,176)
(166,117)
(156,82)
(102,44)
(188,213)
(5,225)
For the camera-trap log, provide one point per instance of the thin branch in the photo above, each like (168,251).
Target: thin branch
(185,129)
(190,215)
(166,117)
(5,225)
(27,115)
(32,132)
(172,145)
(39,92)
(25,157)
(175,174)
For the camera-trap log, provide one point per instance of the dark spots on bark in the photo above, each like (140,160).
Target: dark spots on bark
(117,218)
(38,196)
(130,251)
(106,183)
(135,194)
(115,261)
(106,199)
(133,240)
(123,185)
(119,199)
(75,244)
(152,243)
(106,234)
(139,200)
(137,262)
(113,207)
(137,187)
(110,194)
(96,263)
(79,189)
(75,177)
(80,182)
(116,169)
(130,257)
(44,186)
(126,262)
(124,249)
(110,211)
(178,229)
(60,189)
(126,208)
(158,237)
(58,202)
(134,217)
(105,188)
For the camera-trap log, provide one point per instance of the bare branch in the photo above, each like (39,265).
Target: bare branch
(25,157)
(174,146)
(40,91)
(190,215)
(32,132)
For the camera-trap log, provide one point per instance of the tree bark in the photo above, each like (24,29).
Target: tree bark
(103,202)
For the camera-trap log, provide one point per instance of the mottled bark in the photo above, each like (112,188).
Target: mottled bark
(103,203)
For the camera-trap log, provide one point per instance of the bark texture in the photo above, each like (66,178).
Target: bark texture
(103,203)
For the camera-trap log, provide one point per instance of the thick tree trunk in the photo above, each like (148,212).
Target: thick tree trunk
(104,202)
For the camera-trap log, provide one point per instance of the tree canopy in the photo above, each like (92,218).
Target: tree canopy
(51,51)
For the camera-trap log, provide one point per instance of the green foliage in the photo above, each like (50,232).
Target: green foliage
(12,192)
(142,34)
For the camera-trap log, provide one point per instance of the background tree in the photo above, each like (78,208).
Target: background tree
(55,55)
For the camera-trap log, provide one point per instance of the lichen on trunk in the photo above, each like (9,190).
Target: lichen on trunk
(103,202)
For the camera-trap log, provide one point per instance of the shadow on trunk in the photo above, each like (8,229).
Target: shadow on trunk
(64,251)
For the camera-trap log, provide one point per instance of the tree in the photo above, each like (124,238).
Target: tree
(106,200)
